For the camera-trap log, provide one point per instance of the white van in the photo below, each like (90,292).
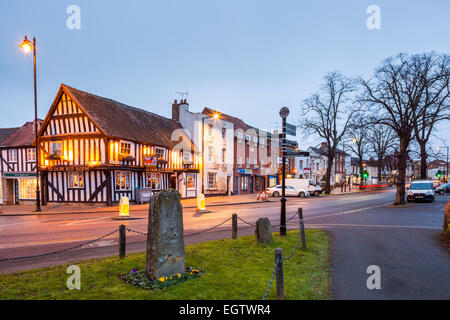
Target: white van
(306,184)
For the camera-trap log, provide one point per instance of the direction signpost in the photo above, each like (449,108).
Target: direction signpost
(284,112)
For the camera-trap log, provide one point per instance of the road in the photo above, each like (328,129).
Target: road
(365,228)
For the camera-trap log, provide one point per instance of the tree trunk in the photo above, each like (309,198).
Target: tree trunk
(328,175)
(402,156)
(380,167)
(423,161)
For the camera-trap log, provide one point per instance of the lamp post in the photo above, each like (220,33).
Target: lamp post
(446,164)
(27,46)
(284,112)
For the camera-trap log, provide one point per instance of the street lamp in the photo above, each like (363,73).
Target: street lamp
(446,164)
(27,46)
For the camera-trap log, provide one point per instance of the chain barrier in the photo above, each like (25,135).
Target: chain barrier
(212,228)
(135,231)
(296,245)
(246,222)
(61,251)
(271,279)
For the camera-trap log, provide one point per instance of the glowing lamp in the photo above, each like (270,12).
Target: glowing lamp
(216,116)
(26,45)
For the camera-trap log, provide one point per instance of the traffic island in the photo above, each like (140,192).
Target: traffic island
(234,269)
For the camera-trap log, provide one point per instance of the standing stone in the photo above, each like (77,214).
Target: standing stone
(263,232)
(165,243)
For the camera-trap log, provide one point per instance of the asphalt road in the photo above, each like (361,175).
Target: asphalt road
(365,229)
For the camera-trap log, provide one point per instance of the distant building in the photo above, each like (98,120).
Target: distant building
(18,164)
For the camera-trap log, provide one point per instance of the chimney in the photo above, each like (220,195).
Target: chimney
(176,107)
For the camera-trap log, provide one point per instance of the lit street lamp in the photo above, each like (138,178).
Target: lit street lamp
(27,46)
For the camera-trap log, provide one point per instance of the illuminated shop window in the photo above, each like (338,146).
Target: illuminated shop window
(154,181)
(122,181)
(27,189)
(76,180)
(190,181)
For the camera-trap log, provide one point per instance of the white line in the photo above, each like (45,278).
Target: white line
(369,226)
(82,221)
(347,212)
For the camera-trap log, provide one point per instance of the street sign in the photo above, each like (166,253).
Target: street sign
(284,112)
(293,153)
(290,143)
(291,129)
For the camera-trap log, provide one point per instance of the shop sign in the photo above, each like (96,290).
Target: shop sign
(151,161)
(245,171)
(19,175)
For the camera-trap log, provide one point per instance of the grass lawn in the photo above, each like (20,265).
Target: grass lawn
(235,269)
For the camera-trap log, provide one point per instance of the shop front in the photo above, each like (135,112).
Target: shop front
(17,188)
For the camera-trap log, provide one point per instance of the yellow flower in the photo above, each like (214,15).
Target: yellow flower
(162,279)
(179,275)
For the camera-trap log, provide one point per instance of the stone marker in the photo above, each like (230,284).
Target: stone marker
(165,243)
(263,233)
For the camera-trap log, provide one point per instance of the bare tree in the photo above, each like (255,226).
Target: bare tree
(394,95)
(381,139)
(328,114)
(435,70)
(359,145)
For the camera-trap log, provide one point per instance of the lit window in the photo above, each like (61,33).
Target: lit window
(153,181)
(76,180)
(12,155)
(27,189)
(160,153)
(212,180)
(190,181)
(56,148)
(125,148)
(31,155)
(122,181)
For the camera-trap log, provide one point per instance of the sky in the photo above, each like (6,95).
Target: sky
(245,58)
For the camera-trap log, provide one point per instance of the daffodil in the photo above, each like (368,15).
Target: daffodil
(179,275)
(162,279)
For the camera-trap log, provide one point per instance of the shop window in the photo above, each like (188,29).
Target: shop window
(154,181)
(190,181)
(31,155)
(27,188)
(212,180)
(76,180)
(56,148)
(12,155)
(122,181)
(244,182)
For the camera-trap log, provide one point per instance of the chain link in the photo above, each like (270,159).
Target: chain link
(246,222)
(61,251)
(135,231)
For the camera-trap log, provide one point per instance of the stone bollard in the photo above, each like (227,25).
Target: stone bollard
(165,243)
(263,232)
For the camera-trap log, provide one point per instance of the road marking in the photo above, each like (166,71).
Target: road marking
(369,226)
(346,212)
(83,221)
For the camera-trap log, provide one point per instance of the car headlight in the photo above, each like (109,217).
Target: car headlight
(410,193)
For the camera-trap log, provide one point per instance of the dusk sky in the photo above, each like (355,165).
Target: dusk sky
(245,58)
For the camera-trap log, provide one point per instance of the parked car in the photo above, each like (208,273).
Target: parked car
(447,188)
(421,190)
(305,184)
(289,191)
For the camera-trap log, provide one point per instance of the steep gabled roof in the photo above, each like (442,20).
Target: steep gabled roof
(22,137)
(5,133)
(119,120)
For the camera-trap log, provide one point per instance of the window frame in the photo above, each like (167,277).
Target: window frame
(214,180)
(70,180)
(15,158)
(52,148)
(148,176)
(126,174)
(33,152)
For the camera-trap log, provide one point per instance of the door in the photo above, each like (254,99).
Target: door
(228,184)
(236,185)
(16,191)
(251,184)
